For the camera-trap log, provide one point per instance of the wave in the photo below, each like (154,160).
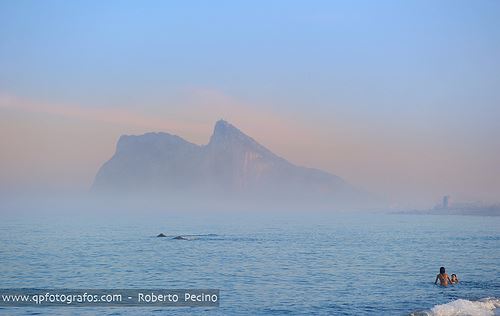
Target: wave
(461,307)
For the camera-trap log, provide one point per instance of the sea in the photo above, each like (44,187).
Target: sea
(263,263)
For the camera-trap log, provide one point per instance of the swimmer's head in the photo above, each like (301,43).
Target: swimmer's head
(442,270)
(453,275)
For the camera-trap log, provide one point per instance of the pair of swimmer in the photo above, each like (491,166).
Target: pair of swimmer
(444,279)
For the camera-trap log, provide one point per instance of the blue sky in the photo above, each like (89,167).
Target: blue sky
(428,70)
(283,50)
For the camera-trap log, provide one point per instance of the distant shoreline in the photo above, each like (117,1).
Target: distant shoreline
(479,211)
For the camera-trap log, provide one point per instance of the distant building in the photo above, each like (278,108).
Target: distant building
(445,201)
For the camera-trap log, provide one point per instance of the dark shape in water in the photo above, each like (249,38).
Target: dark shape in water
(180,238)
(161,235)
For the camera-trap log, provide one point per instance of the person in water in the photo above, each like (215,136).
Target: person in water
(454,279)
(443,278)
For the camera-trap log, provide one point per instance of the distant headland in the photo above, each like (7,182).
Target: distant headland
(231,164)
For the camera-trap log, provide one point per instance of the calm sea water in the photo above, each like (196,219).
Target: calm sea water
(337,264)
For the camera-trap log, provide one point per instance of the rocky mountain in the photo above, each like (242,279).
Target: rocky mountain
(232,163)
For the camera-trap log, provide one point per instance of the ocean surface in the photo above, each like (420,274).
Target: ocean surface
(263,264)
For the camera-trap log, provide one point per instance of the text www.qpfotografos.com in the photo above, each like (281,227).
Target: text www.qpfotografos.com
(109,297)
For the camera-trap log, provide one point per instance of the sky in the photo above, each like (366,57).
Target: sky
(400,98)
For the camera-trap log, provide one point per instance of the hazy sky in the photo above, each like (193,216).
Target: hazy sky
(401,98)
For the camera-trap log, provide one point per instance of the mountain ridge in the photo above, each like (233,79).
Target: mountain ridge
(231,163)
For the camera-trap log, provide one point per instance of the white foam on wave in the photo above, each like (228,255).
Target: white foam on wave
(461,307)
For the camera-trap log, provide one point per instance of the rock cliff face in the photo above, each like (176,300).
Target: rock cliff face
(231,163)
